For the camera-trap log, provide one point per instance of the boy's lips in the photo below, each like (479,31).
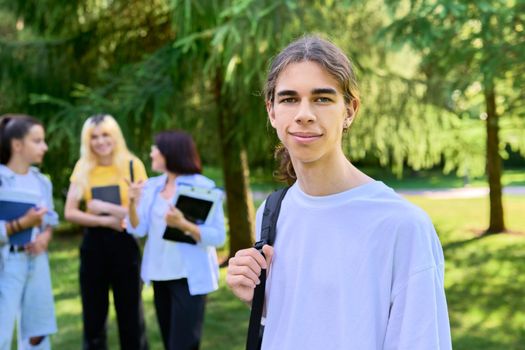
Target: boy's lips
(305,137)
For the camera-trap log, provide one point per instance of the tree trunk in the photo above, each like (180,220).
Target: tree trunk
(497,223)
(236,176)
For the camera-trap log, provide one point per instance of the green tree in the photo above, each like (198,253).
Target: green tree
(209,60)
(200,65)
(226,46)
(472,53)
(53,53)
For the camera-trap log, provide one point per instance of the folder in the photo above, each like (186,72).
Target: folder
(196,204)
(13,205)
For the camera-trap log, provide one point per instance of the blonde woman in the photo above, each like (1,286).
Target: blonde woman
(109,258)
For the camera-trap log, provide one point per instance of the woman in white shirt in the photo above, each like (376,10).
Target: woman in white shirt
(182,273)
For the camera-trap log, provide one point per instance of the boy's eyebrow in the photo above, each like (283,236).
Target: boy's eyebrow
(318,91)
(287,93)
(321,91)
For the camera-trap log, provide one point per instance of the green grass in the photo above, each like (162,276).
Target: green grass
(484,277)
(485,281)
(225,321)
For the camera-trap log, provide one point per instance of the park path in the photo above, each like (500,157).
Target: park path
(464,192)
(444,193)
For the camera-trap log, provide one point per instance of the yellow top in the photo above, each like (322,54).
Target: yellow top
(108,175)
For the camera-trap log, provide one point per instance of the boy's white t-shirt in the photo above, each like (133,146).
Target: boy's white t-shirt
(362,269)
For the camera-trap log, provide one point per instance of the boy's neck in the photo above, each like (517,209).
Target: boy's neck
(329,176)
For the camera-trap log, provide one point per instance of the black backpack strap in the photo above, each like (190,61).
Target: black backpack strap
(268,233)
(270,215)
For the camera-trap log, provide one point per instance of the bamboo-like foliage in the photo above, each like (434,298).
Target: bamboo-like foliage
(200,66)
(473,58)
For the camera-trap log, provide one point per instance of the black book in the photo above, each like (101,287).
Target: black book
(195,210)
(109,194)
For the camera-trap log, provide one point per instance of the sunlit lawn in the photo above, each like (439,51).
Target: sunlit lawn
(485,278)
(485,281)
(225,323)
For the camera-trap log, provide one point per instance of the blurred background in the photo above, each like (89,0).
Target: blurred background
(442,121)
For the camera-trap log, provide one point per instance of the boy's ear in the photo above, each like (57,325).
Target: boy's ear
(271,113)
(351,111)
(352,108)
(349,118)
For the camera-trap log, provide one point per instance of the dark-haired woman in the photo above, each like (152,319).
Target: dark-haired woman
(25,281)
(182,273)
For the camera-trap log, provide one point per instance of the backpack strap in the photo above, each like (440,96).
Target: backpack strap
(268,234)
(270,215)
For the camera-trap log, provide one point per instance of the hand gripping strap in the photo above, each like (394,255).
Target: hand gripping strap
(268,233)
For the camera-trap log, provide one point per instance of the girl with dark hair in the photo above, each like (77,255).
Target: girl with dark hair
(354,265)
(182,273)
(25,281)
(109,258)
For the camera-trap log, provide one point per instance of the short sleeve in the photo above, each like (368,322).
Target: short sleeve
(418,317)
(418,314)
(74,174)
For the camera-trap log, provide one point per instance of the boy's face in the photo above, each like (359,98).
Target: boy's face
(309,112)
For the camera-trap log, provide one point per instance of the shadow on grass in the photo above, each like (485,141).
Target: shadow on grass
(458,244)
(485,292)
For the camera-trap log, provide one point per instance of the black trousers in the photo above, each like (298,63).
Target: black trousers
(179,313)
(111,260)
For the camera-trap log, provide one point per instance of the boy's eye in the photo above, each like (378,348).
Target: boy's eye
(323,99)
(288,100)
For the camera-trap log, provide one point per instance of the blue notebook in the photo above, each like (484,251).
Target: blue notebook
(13,205)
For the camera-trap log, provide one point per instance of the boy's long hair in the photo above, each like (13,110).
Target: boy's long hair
(332,60)
(88,160)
